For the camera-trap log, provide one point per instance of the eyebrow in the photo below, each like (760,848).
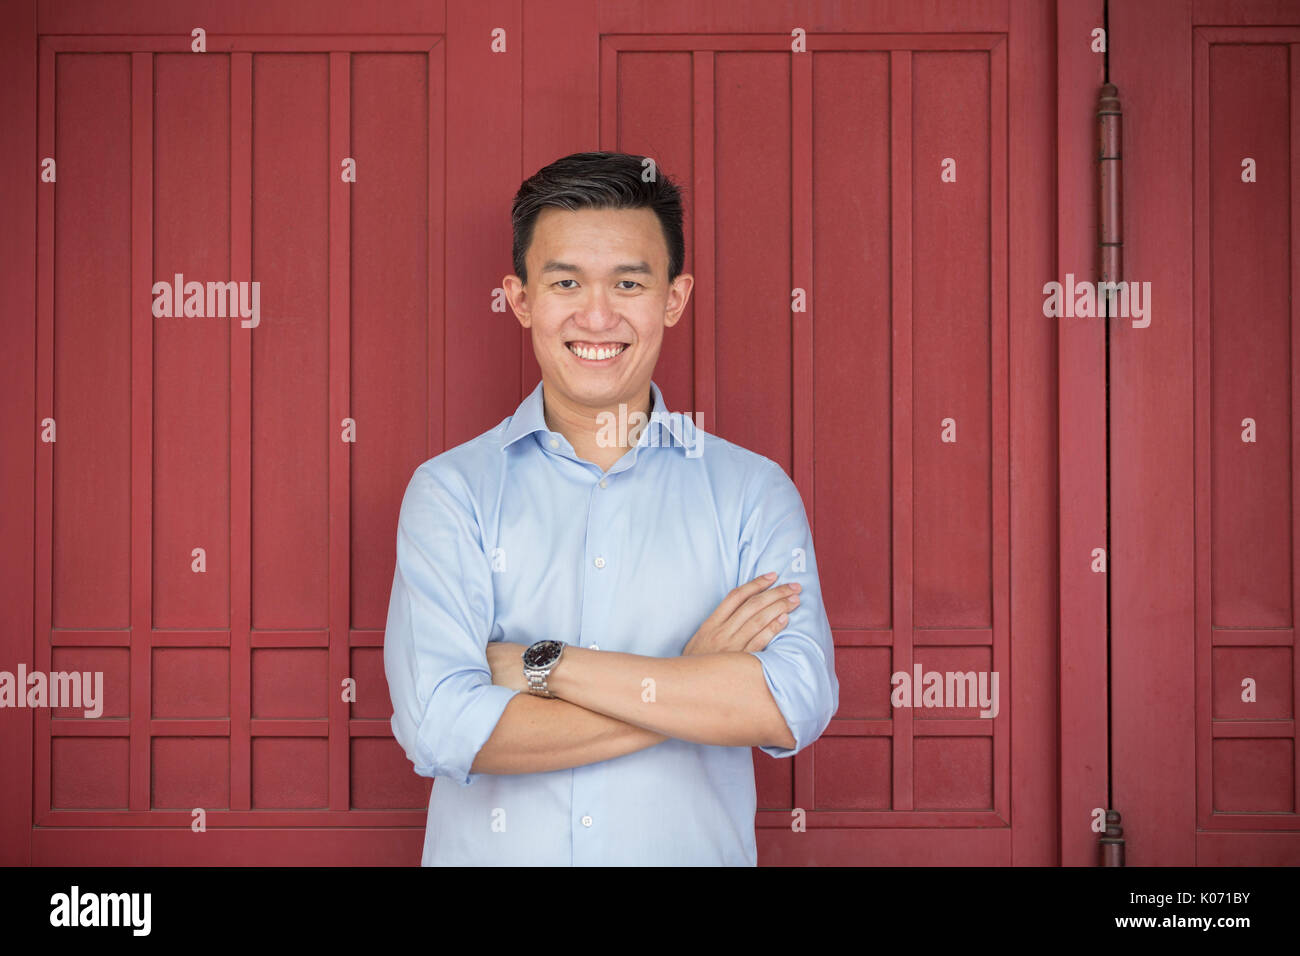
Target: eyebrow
(641,268)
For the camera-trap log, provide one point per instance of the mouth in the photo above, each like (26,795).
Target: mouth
(597,353)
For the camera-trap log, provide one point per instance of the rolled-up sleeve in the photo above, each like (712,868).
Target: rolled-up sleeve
(799,663)
(440,615)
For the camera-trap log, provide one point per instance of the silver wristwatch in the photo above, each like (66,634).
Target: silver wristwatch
(539,660)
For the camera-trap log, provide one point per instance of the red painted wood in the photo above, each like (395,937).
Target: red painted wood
(1034,503)
(235,676)
(901,375)
(851,765)
(1209,519)
(1081,363)
(21,106)
(339,144)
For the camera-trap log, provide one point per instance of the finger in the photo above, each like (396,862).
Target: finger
(737,596)
(755,610)
(774,615)
(765,635)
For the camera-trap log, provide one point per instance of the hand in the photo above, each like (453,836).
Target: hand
(747,619)
(507,663)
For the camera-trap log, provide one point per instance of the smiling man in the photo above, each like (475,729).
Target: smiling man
(586,636)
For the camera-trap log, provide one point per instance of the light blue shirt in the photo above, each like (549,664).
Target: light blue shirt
(512,537)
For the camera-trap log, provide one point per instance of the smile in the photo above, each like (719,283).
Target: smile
(595,353)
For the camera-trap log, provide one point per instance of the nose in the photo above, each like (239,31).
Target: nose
(598,312)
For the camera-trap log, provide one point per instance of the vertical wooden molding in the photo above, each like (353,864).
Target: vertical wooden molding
(705,294)
(900,177)
(1201,415)
(801,327)
(999,372)
(44,559)
(241,434)
(340,454)
(1294,77)
(141,746)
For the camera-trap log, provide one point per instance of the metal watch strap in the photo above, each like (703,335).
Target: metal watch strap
(537,684)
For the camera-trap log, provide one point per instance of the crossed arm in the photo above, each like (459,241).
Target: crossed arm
(612,704)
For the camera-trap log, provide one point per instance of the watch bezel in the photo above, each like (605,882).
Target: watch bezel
(533,659)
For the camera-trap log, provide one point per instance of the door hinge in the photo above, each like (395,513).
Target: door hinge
(1112,843)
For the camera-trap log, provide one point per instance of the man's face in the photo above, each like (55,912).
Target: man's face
(597,285)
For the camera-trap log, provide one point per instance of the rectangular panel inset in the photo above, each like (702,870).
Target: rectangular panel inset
(113,663)
(1250,336)
(390,287)
(191,448)
(372,701)
(291,172)
(953,773)
(88,773)
(964,675)
(1254,776)
(191,772)
(290,773)
(951,340)
(191,682)
(290,682)
(852,377)
(854,773)
(773,781)
(92,342)
(752,94)
(382,777)
(863,674)
(1269,671)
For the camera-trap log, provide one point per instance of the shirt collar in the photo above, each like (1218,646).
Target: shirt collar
(528,418)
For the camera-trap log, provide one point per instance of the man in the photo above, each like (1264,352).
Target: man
(582,642)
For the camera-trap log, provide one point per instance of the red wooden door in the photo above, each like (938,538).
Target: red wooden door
(853,203)
(1205,438)
(869,223)
(216,515)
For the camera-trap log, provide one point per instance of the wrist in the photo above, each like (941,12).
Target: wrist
(559,681)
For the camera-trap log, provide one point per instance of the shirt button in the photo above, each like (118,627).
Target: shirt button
(555,443)
(603,483)
(600,562)
(586,821)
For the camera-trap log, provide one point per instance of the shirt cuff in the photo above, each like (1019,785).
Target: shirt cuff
(794,669)
(459,744)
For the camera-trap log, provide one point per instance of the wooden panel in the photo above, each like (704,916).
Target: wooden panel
(292,170)
(390,393)
(92,342)
(1250,373)
(851,363)
(208,721)
(951,332)
(191,450)
(752,326)
(855,113)
(1247,364)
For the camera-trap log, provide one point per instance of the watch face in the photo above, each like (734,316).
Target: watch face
(542,654)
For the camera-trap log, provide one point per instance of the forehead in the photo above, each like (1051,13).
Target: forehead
(598,233)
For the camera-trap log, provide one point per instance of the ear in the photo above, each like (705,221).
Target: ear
(517,295)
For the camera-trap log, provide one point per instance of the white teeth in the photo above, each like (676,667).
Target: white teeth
(598,353)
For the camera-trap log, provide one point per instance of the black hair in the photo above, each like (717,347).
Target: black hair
(599,180)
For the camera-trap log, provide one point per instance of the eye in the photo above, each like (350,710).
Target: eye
(633,281)
(565,280)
